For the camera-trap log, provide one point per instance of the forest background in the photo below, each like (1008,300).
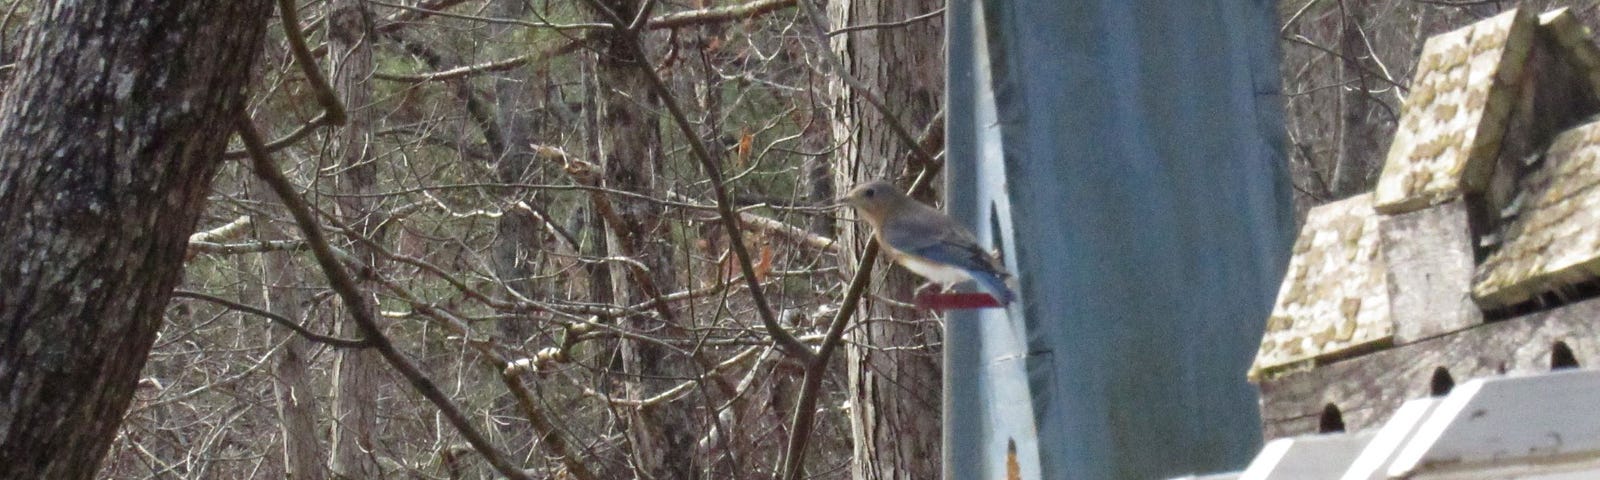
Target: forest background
(531,201)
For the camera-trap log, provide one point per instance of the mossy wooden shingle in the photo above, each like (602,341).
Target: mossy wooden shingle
(1489,198)
(1555,242)
(1451,125)
(1333,297)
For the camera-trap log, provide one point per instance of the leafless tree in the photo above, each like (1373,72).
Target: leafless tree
(528,239)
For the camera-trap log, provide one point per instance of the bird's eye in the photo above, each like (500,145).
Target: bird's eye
(868,193)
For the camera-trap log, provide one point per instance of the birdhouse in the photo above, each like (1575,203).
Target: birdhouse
(1417,326)
(1476,256)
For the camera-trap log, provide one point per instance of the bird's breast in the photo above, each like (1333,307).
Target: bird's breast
(937,272)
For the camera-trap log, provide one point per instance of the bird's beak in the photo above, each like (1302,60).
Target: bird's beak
(840,202)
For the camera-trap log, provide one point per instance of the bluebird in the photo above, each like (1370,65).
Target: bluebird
(926,241)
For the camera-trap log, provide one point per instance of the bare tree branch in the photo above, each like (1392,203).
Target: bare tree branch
(323,119)
(795,233)
(245,247)
(741,11)
(494,66)
(308,64)
(1299,40)
(342,283)
(938,12)
(275,318)
(801,426)
(730,221)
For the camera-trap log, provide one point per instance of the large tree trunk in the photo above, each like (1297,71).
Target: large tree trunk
(117,119)
(357,375)
(630,155)
(893,365)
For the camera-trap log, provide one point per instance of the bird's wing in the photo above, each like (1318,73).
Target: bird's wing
(941,241)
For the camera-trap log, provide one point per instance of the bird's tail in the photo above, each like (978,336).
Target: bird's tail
(995,285)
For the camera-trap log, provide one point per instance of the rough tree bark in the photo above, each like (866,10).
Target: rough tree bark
(115,123)
(357,377)
(816,139)
(893,365)
(286,293)
(630,156)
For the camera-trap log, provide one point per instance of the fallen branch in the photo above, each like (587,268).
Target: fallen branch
(718,14)
(226,231)
(792,232)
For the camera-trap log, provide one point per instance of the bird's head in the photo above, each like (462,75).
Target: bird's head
(875,199)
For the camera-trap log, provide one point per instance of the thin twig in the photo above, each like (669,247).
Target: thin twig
(1296,16)
(495,20)
(342,283)
(879,26)
(494,66)
(548,433)
(729,218)
(1298,40)
(643,15)
(305,129)
(285,322)
(422,11)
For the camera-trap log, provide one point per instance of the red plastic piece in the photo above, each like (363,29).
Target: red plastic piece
(956,301)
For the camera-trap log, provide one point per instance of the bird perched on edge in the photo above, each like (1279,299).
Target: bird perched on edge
(926,241)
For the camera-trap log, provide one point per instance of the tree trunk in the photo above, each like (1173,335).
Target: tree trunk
(893,365)
(1358,156)
(519,233)
(285,292)
(297,402)
(816,139)
(357,375)
(630,156)
(114,126)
